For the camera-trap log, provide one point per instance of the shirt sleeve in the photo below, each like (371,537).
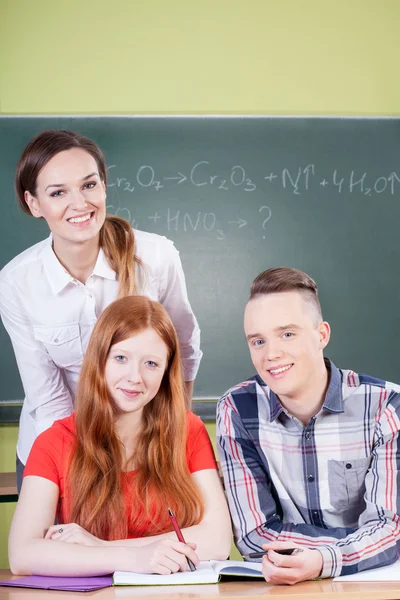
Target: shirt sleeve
(199,449)
(256,511)
(173,295)
(46,395)
(45,457)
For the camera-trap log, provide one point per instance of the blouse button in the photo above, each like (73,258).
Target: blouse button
(348,466)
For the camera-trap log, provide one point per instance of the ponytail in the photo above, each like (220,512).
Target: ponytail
(118,243)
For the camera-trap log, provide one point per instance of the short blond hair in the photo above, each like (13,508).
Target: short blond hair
(286,279)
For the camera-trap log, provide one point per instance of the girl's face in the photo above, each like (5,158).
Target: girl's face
(70,196)
(134,371)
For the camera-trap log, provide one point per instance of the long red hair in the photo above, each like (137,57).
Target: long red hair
(162,478)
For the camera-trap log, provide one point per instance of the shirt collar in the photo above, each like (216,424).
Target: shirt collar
(102,267)
(59,277)
(333,398)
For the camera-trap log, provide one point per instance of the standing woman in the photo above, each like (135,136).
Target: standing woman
(52,294)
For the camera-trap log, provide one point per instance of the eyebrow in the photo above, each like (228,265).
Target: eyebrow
(58,185)
(123,351)
(280,328)
(253,335)
(289,326)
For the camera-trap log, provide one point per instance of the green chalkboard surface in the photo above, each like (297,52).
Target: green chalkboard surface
(239,195)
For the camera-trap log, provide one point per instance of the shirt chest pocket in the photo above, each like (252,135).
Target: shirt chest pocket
(346,480)
(63,344)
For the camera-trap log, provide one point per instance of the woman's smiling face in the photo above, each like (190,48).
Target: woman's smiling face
(70,196)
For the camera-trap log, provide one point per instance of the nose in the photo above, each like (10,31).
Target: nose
(78,200)
(272,351)
(134,375)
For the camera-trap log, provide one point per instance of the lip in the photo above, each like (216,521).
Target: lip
(83,223)
(283,373)
(130,393)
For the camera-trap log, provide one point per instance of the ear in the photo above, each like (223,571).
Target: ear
(324,332)
(33,205)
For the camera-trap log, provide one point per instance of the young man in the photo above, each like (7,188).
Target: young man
(310,453)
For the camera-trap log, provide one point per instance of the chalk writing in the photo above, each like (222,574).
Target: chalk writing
(269,215)
(298,180)
(240,223)
(207,222)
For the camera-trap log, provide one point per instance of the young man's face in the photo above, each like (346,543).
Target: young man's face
(286,337)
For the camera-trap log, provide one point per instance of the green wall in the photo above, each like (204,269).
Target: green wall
(8,441)
(183,56)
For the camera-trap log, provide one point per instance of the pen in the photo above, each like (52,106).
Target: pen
(286,551)
(180,537)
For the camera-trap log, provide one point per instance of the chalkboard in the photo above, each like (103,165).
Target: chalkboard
(237,196)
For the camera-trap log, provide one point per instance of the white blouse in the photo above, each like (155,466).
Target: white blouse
(50,316)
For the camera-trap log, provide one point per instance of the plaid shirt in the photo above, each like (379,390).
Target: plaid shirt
(333,484)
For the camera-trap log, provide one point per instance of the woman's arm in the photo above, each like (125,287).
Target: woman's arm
(29,551)
(213,536)
(174,297)
(189,385)
(46,395)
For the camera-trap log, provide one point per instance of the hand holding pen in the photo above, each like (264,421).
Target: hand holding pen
(180,536)
(284,551)
(284,563)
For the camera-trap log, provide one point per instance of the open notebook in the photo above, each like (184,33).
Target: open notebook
(209,571)
(389,573)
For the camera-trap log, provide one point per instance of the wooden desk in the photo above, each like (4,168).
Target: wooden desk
(232,590)
(8,487)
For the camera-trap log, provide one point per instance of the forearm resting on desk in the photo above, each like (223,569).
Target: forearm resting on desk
(48,557)
(213,536)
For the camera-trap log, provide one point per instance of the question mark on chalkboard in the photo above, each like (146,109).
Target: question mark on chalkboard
(264,224)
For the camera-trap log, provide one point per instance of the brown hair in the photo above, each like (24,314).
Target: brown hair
(286,279)
(162,477)
(116,235)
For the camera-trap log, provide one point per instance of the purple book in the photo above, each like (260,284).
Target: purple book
(72,584)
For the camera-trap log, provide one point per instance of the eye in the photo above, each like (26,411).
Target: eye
(120,357)
(257,343)
(151,363)
(90,185)
(287,335)
(57,194)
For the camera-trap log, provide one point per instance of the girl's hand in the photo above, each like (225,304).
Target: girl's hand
(73,534)
(164,557)
(281,569)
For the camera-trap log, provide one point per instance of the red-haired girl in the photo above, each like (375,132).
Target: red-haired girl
(109,472)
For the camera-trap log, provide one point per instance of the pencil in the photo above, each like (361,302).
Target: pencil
(180,536)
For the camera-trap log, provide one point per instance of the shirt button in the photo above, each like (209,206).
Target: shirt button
(315,513)
(308,435)
(348,466)
(310,478)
